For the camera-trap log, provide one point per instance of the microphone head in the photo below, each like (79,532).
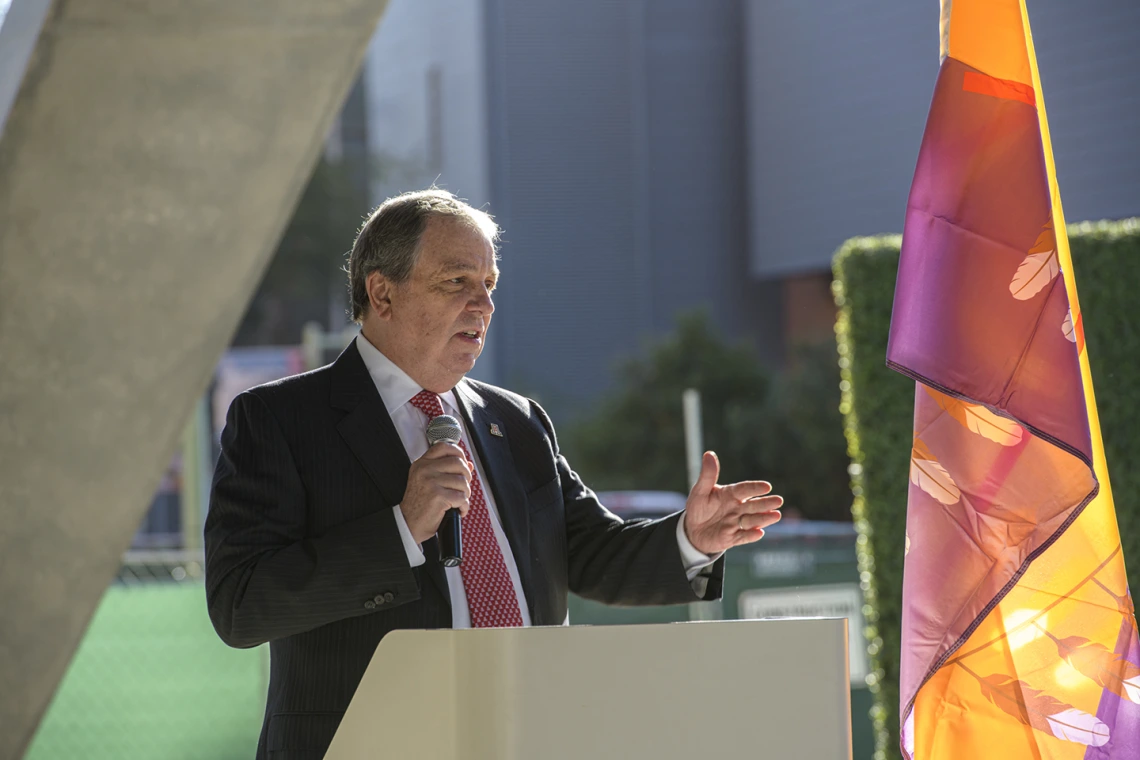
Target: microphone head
(443,429)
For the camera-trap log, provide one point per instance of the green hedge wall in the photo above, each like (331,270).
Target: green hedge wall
(878,407)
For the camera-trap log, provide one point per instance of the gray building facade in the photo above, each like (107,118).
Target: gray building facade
(837,100)
(649,157)
(618,171)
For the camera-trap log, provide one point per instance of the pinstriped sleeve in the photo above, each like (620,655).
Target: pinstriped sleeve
(266,576)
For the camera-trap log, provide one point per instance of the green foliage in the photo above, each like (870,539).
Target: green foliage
(878,406)
(636,440)
(785,429)
(799,440)
(1105,254)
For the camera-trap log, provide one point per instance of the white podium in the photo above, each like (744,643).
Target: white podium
(734,689)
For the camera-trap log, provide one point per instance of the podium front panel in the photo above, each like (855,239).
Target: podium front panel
(768,688)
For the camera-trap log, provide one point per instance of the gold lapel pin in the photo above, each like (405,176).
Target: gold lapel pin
(495,430)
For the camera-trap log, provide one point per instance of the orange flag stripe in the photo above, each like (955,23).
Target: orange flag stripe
(998,88)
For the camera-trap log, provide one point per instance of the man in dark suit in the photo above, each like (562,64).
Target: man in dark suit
(321,534)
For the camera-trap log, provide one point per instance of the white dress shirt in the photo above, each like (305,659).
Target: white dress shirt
(397,391)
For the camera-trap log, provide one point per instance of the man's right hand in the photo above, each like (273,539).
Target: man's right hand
(438,481)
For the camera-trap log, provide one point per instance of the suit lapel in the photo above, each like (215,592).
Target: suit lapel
(368,430)
(495,455)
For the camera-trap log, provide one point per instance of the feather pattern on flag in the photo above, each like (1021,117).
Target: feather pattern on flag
(1044,712)
(1108,669)
(978,419)
(1067,327)
(930,476)
(1039,267)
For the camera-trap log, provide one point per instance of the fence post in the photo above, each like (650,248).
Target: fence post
(694,453)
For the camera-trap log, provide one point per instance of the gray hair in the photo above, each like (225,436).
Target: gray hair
(388,242)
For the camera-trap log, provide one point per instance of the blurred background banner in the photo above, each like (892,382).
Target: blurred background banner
(242,368)
(180,185)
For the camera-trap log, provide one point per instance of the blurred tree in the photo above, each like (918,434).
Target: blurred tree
(636,438)
(799,437)
(304,281)
(786,428)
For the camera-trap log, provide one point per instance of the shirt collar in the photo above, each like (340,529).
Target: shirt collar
(394,385)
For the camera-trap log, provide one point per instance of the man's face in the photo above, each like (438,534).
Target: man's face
(435,323)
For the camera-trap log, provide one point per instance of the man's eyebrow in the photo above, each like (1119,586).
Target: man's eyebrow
(463,266)
(457,265)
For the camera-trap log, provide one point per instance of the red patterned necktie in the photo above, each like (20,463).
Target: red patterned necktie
(490,593)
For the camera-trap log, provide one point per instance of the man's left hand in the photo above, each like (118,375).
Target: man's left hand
(718,518)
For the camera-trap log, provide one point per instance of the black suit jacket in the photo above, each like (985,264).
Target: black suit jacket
(303,552)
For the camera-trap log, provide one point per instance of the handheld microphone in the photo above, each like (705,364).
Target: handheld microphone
(445,429)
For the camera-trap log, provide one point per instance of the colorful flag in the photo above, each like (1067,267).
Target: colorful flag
(1019,634)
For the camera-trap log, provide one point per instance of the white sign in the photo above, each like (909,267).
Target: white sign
(833,601)
(782,564)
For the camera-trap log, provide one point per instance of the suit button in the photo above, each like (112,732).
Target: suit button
(379,599)
(370,605)
(389,596)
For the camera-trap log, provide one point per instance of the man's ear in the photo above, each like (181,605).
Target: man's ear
(379,290)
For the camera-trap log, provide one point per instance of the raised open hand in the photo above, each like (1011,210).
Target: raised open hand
(718,518)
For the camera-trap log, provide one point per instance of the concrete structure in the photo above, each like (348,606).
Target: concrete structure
(149,159)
